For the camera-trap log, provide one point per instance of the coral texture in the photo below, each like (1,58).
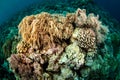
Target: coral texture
(43,30)
(73,56)
(90,31)
(54,46)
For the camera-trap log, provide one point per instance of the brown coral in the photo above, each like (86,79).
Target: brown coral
(43,30)
(26,67)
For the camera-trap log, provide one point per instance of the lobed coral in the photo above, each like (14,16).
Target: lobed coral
(52,44)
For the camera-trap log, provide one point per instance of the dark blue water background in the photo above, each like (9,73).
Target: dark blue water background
(112,6)
(9,7)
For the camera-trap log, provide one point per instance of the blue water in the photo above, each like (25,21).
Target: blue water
(112,6)
(9,7)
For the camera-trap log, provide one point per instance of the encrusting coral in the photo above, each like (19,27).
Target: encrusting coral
(52,43)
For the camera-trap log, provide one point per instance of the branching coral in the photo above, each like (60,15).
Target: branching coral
(22,47)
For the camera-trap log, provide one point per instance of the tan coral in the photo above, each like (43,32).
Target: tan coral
(90,30)
(93,21)
(85,37)
(22,47)
(54,58)
(80,17)
(41,30)
(102,34)
(25,27)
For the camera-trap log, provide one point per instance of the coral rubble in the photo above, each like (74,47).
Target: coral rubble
(57,47)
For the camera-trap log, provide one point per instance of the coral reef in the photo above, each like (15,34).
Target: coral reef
(73,56)
(54,46)
(26,67)
(100,61)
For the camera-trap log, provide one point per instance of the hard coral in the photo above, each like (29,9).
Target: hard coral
(73,56)
(80,17)
(54,59)
(86,38)
(90,31)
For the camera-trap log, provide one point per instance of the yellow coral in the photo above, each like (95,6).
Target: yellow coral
(22,47)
